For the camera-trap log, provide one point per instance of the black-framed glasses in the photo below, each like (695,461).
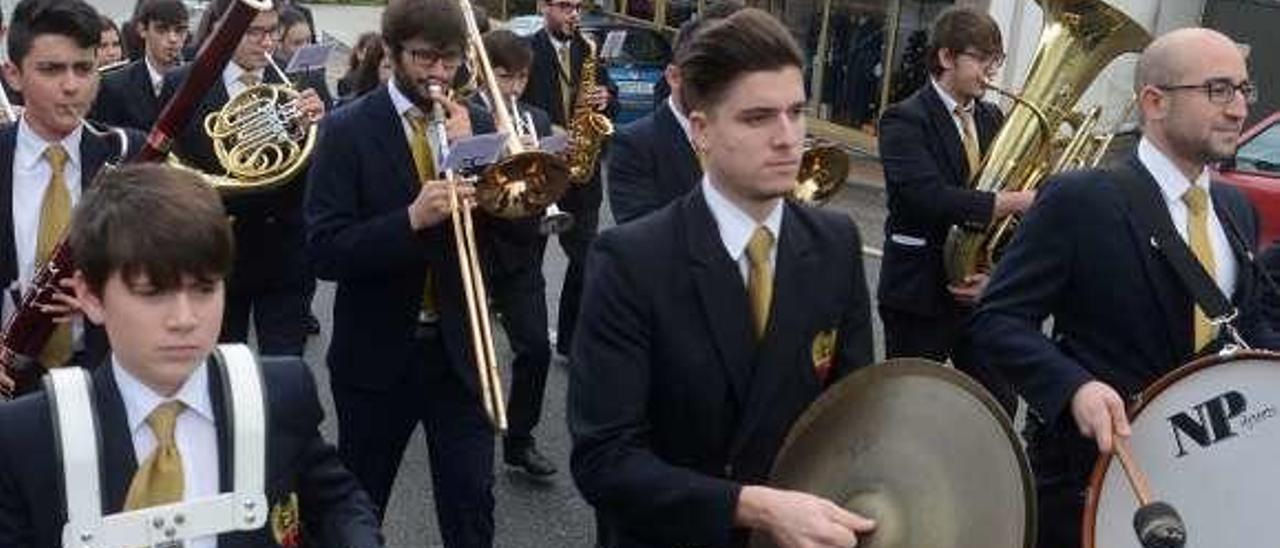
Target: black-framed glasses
(566,6)
(1221,91)
(427,57)
(256,34)
(989,59)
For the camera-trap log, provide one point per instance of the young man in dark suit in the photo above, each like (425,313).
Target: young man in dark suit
(558,53)
(931,145)
(50,156)
(693,358)
(270,281)
(378,224)
(130,95)
(1084,256)
(153,246)
(651,161)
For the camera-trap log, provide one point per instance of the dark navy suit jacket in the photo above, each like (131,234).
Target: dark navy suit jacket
(673,404)
(650,165)
(126,98)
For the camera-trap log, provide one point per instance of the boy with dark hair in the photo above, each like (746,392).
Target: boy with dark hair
(49,157)
(130,95)
(673,438)
(931,145)
(153,246)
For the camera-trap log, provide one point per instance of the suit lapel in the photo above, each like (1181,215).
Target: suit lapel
(94,152)
(671,135)
(944,130)
(1243,256)
(793,299)
(1172,299)
(117,458)
(222,423)
(392,141)
(146,93)
(8,142)
(721,293)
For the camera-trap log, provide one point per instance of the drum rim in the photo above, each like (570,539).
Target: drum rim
(924,367)
(1093,490)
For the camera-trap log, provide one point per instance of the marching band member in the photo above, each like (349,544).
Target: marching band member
(513,250)
(270,281)
(153,246)
(109,51)
(931,144)
(1085,256)
(691,363)
(651,160)
(554,80)
(374,214)
(130,95)
(49,157)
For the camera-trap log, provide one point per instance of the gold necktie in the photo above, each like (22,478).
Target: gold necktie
(760,278)
(249,79)
(424,162)
(159,479)
(1197,200)
(969,138)
(566,82)
(55,214)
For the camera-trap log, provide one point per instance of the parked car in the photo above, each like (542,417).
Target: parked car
(634,55)
(1255,170)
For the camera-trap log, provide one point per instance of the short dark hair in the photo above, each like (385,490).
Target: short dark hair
(165,12)
(150,219)
(750,40)
(107,24)
(508,50)
(213,13)
(713,11)
(366,41)
(958,29)
(290,16)
(74,19)
(439,22)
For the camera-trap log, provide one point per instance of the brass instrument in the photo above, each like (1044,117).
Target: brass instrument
(823,170)
(262,139)
(1080,38)
(587,128)
(554,220)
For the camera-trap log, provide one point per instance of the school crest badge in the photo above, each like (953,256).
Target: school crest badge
(285,525)
(824,352)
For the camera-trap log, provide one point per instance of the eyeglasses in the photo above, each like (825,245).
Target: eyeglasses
(566,6)
(1221,91)
(989,59)
(256,34)
(427,57)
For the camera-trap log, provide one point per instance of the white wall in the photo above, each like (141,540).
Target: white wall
(1021,22)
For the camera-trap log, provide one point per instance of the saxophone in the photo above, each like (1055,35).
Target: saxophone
(588,128)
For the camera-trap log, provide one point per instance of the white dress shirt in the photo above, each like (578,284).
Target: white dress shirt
(195,432)
(231,78)
(1173,184)
(31,173)
(157,77)
(951,103)
(402,105)
(736,227)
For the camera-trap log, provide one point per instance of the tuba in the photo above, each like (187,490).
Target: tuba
(588,128)
(1080,38)
(823,170)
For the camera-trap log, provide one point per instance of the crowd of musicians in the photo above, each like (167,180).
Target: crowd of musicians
(695,331)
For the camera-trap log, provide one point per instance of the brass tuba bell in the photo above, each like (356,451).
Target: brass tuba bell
(823,170)
(1080,38)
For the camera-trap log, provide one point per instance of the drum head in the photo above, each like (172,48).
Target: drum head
(1208,438)
(920,448)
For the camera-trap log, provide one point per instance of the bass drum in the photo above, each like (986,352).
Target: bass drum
(1207,435)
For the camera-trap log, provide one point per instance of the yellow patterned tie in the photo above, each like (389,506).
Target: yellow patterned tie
(55,213)
(159,479)
(249,79)
(424,162)
(969,138)
(566,79)
(760,278)
(1197,200)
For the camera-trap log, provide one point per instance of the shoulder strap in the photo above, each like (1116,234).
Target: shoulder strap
(1145,201)
(76,429)
(247,407)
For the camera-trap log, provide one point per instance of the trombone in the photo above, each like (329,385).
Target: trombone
(554,220)
(477,299)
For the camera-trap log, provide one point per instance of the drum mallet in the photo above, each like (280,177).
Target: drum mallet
(1157,524)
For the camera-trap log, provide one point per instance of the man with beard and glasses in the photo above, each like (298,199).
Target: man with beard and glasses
(130,95)
(1084,255)
(378,225)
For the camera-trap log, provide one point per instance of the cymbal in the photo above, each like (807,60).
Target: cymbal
(920,448)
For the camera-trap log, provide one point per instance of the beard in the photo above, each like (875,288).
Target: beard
(416,89)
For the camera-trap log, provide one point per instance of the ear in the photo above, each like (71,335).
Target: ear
(698,124)
(12,75)
(946,59)
(1152,103)
(90,304)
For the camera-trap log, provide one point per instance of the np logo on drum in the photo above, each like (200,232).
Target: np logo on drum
(1220,418)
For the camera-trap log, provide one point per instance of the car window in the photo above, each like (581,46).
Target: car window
(1262,152)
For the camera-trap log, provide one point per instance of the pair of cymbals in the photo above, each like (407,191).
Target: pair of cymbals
(921,449)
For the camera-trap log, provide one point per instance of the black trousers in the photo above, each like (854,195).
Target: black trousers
(520,298)
(910,335)
(271,283)
(1061,460)
(584,204)
(374,428)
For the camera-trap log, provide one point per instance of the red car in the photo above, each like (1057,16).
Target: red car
(1256,172)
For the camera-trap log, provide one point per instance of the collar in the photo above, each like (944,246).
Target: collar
(680,117)
(947,100)
(558,43)
(157,77)
(231,74)
(401,103)
(140,400)
(735,224)
(1173,183)
(30,146)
